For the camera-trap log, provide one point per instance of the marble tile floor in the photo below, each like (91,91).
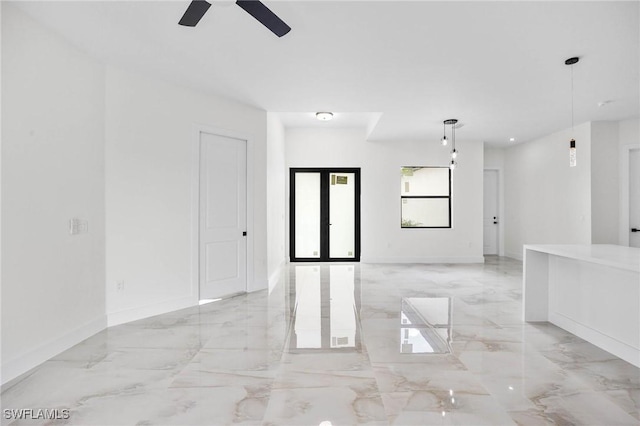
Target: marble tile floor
(331,345)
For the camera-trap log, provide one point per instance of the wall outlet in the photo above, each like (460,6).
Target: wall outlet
(120,285)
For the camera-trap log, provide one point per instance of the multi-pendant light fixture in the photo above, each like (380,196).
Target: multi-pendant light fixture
(572,142)
(454,152)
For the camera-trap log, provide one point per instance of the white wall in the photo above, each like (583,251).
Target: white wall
(150,145)
(382,238)
(493,157)
(275,198)
(628,138)
(629,132)
(546,201)
(605,197)
(52,170)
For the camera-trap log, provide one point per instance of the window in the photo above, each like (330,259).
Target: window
(425,194)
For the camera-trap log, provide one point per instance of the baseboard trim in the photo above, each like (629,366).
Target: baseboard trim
(461,259)
(257,285)
(621,349)
(128,315)
(25,362)
(514,255)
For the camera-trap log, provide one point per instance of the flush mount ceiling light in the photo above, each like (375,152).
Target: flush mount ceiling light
(572,142)
(444,141)
(324,116)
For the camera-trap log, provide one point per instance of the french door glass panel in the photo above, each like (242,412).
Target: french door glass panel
(341,215)
(307,227)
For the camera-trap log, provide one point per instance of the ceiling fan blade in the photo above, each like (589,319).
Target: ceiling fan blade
(266,17)
(194,13)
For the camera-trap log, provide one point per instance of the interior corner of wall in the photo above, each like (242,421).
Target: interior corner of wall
(372,124)
(276,275)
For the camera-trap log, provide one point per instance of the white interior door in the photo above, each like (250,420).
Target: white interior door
(223,216)
(490,216)
(634,197)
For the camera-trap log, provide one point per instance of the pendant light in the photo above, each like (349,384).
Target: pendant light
(454,152)
(572,143)
(444,141)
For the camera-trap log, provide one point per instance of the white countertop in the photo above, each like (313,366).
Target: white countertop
(621,257)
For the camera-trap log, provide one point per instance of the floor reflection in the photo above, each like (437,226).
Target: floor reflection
(325,300)
(426,326)
(228,363)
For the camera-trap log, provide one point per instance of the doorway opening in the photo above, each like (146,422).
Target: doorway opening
(324,214)
(491,208)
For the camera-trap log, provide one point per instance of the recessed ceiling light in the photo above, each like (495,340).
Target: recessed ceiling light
(324,116)
(512,139)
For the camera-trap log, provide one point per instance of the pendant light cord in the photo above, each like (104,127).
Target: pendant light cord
(453,136)
(572,132)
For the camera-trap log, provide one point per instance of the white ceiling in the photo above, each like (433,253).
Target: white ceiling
(496,66)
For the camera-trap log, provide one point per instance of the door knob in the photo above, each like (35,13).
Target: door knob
(635,230)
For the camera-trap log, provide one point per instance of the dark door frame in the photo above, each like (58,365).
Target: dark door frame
(324,213)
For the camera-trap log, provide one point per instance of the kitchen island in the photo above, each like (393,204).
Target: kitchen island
(591,290)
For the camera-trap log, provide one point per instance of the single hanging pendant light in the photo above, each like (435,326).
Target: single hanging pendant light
(572,153)
(572,142)
(454,151)
(444,141)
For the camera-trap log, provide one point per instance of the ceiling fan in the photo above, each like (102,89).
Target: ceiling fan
(255,8)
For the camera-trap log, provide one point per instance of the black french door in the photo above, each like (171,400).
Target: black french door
(324,214)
